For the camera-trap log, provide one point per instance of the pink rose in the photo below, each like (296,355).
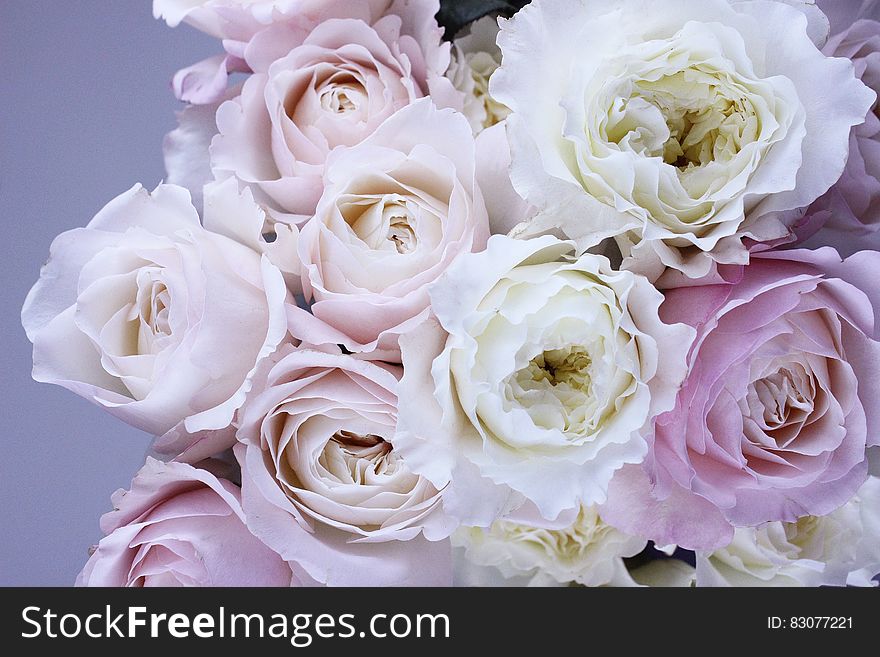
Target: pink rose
(316,89)
(157,320)
(781,402)
(240,20)
(236,22)
(848,215)
(396,211)
(322,483)
(180,526)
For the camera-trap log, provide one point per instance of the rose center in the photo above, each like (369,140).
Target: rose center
(784,397)
(150,316)
(570,366)
(689,119)
(341,94)
(157,316)
(387,224)
(351,458)
(556,389)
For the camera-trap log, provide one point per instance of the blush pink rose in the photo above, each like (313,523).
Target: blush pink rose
(316,89)
(322,483)
(779,407)
(180,526)
(237,22)
(240,20)
(396,211)
(847,217)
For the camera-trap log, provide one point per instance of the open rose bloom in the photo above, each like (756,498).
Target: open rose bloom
(579,294)
(181,526)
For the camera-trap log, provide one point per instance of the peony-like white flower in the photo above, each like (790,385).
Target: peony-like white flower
(156,319)
(475,57)
(838,549)
(396,211)
(575,548)
(683,129)
(322,482)
(538,380)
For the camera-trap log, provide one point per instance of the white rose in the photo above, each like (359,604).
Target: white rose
(575,548)
(839,549)
(157,320)
(475,57)
(539,381)
(681,128)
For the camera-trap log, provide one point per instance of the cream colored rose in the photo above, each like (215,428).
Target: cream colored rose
(839,549)
(538,380)
(475,57)
(683,129)
(578,547)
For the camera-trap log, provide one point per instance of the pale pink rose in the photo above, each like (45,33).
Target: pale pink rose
(396,211)
(236,22)
(322,482)
(773,421)
(848,215)
(316,89)
(156,319)
(240,20)
(181,526)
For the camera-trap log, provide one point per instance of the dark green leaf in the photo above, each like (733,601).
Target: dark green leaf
(456,14)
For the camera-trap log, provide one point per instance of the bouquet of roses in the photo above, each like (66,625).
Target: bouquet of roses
(580,291)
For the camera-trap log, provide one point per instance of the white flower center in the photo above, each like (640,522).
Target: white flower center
(688,119)
(565,374)
(149,315)
(563,388)
(569,366)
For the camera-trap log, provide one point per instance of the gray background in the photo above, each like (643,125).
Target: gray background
(86,101)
